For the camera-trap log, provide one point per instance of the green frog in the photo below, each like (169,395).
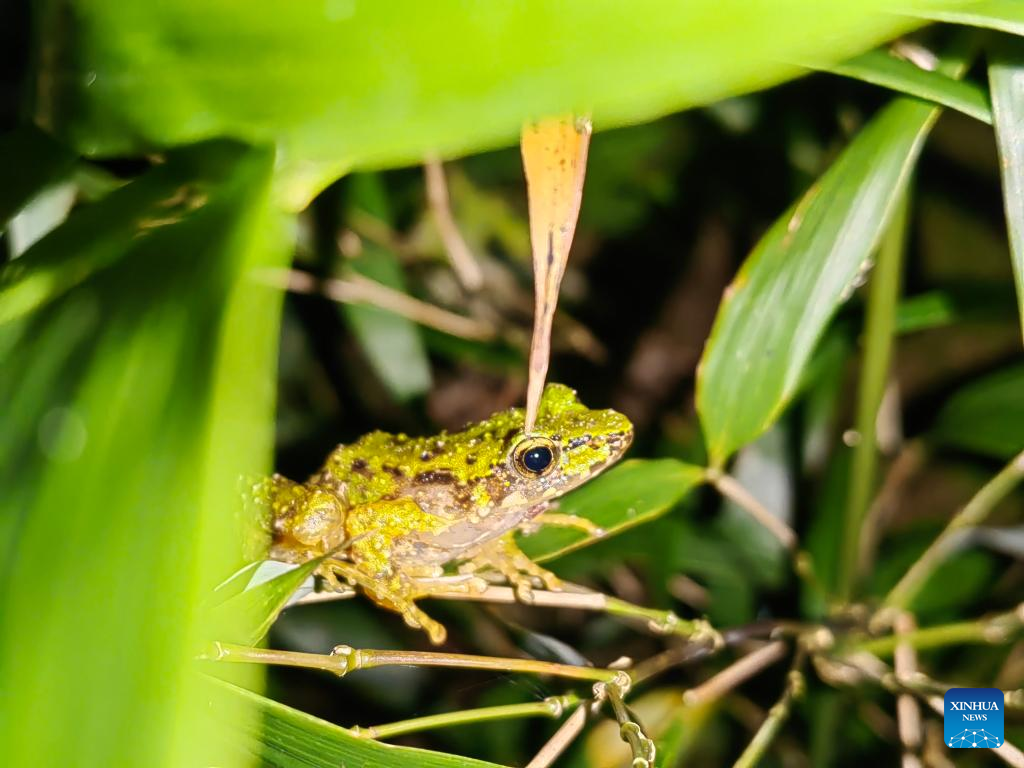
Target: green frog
(389,512)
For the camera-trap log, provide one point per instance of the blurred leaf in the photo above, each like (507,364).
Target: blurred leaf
(393,344)
(986,416)
(948,592)
(292,739)
(955,305)
(143,391)
(809,263)
(632,493)
(44,213)
(1006,74)
(32,161)
(342,84)
(889,71)
(1004,15)
(245,617)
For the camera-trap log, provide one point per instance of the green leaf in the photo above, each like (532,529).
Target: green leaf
(789,288)
(986,416)
(1004,15)
(341,85)
(1006,74)
(140,390)
(882,68)
(289,738)
(32,161)
(634,492)
(245,617)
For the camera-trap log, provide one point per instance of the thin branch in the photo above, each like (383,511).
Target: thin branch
(973,514)
(640,745)
(344,659)
(908,713)
(729,487)
(563,737)
(777,715)
(994,630)
(553,707)
(465,265)
(735,674)
(358,289)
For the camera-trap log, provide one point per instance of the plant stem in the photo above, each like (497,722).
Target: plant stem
(995,630)
(344,659)
(729,487)
(553,707)
(973,514)
(777,716)
(879,326)
(640,745)
(563,737)
(735,674)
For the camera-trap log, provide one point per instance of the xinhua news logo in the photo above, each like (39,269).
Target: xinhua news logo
(973,717)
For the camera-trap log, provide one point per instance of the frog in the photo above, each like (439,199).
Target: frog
(389,513)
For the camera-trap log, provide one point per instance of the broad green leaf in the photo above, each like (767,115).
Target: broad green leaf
(344,84)
(138,389)
(289,738)
(789,288)
(31,161)
(882,68)
(1006,74)
(632,493)
(986,416)
(1004,15)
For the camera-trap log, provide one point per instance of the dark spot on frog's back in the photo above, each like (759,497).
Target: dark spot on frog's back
(435,476)
(393,471)
(360,467)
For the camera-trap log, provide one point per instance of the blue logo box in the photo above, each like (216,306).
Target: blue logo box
(973,718)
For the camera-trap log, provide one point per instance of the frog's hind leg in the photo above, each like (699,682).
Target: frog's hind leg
(391,591)
(504,556)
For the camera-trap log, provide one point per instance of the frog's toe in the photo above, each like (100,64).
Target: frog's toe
(524,589)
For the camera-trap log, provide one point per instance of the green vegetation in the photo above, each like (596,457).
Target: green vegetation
(801,444)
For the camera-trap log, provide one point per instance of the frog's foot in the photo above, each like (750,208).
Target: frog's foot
(393,591)
(520,571)
(562,520)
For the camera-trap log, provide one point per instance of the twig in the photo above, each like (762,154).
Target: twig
(994,630)
(735,674)
(563,737)
(358,289)
(777,715)
(640,745)
(729,487)
(879,327)
(466,267)
(906,464)
(344,659)
(553,707)
(908,714)
(973,514)
(573,597)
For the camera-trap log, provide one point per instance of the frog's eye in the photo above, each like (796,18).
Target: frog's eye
(535,456)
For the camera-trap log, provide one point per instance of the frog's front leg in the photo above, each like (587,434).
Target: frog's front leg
(503,555)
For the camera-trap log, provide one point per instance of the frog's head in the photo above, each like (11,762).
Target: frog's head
(569,444)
